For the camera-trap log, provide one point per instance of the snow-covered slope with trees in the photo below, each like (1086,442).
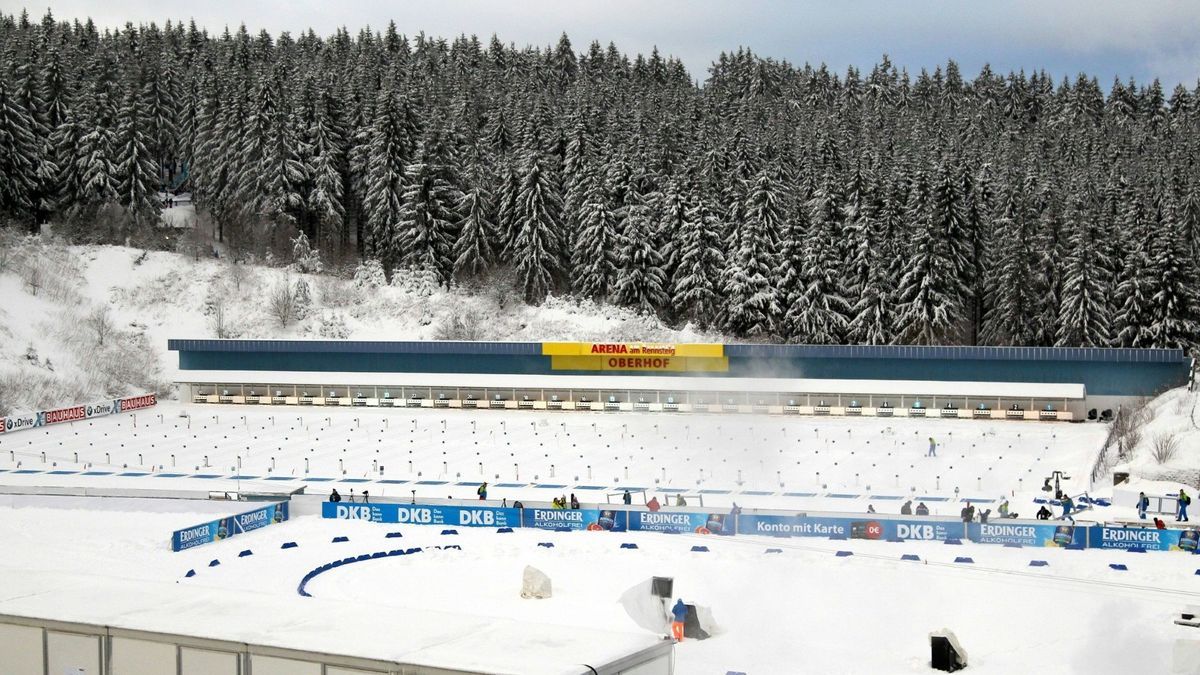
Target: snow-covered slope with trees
(86,322)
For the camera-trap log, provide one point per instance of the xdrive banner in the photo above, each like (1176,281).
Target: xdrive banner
(224,528)
(420,514)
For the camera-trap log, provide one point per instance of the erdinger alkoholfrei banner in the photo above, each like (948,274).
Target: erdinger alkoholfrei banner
(680,523)
(224,528)
(593,520)
(422,514)
(1025,534)
(1147,539)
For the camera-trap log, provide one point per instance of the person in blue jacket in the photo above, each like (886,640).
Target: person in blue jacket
(1068,506)
(679,613)
(1184,501)
(1143,505)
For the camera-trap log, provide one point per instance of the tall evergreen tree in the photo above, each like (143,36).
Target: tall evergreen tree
(392,138)
(594,256)
(696,286)
(537,249)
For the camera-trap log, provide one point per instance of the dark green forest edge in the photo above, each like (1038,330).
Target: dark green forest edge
(772,201)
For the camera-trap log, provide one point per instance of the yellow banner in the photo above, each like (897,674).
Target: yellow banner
(622,362)
(633,349)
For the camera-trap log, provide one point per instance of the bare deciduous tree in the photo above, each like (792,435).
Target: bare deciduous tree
(282,303)
(100,324)
(236,272)
(34,273)
(1164,447)
(218,320)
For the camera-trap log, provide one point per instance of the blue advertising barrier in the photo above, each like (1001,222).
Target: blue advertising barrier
(1026,534)
(1146,539)
(803,525)
(675,522)
(594,520)
(421,514)
(224,528)
(948,530)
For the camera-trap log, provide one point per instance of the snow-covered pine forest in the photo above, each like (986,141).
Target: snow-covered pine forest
(770,200)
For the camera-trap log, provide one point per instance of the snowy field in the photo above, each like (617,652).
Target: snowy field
(799,610)
(758,461)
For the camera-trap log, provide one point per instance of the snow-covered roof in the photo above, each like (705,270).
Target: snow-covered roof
(1014,390)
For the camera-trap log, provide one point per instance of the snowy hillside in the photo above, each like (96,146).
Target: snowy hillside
(85,322)
(1165,445)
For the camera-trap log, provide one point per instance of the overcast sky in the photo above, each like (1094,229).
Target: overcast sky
(1106,38)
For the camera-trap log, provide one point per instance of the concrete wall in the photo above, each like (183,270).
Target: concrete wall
(30,646)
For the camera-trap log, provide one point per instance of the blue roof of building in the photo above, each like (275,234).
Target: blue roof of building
(956,353)
(358,347)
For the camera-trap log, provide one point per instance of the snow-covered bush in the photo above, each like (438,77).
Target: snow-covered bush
(302,299)
(333,327)
(305,258)
(369,274)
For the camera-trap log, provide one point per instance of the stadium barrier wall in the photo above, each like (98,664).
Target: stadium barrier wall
(31,645)
(75,413)
(229,526)
(620,518)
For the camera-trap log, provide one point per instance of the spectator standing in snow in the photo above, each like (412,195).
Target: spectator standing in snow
(482,491)
(922,510)
(1043,513)
(1184,501)
(627,498)
(679,500)
(574,502)
(870,508)
(906,510)
(1159,524)
(932,448)
(966,514)
(679,615)
(653,504)
(1068,506)
(335,497)
(983,515)
(1143,505)
(1004,508)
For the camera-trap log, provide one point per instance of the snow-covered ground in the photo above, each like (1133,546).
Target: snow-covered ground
(756,460)
(799,610)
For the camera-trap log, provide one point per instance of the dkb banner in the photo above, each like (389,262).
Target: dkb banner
(421,514)
(224,528)
(594,520)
